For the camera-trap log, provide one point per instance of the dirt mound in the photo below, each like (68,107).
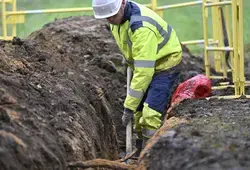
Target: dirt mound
(60,93)
(203,135)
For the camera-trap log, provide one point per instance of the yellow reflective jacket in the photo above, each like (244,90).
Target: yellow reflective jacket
(148,44)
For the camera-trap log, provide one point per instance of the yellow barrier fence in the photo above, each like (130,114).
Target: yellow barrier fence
(236,47)
(220,10)
(235,40)
(16,17)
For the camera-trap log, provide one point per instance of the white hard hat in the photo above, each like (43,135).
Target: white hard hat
(106,8)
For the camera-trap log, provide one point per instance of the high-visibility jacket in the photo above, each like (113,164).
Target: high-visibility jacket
(148,44)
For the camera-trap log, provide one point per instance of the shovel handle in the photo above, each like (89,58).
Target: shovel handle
(129,137)
(129,125)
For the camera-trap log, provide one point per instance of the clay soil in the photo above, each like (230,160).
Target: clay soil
(61,100)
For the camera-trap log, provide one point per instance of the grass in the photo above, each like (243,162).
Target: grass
(187,21)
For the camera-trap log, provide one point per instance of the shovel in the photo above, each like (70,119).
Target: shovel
(129,125)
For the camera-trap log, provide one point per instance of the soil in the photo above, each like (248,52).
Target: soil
(215,135)
(61,96)
(61,100)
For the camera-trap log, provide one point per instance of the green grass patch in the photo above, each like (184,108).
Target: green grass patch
(187,21)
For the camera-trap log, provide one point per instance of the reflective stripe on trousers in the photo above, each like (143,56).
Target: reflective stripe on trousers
(148,133)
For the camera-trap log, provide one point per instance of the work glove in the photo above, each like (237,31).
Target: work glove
(127,116)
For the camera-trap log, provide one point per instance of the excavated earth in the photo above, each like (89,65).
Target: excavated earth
(203,135)
(61,100)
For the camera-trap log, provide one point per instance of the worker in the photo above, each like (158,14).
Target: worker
(152,49)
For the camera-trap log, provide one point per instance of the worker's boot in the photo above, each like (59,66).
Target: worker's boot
(146,135)
(138,145)
(145,140)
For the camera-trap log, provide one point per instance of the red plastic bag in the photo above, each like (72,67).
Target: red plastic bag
(194,88)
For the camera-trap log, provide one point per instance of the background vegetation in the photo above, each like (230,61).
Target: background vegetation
(187,21)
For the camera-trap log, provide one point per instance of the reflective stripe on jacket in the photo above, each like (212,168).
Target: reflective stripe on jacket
(148,44)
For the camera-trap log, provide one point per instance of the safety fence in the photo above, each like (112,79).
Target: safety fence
(226,42)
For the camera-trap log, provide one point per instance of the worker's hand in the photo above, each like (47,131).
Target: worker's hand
(127,116)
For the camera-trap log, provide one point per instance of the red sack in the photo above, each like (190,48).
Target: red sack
(194,88)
